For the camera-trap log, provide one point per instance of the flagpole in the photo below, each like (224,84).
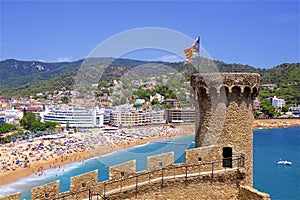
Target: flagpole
(199,55)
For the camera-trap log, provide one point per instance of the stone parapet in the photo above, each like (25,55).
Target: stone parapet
(229,80)
(85,185)
(122,170)
(84,181)
(160,161)
(15,196)
(47,191)
(202,154)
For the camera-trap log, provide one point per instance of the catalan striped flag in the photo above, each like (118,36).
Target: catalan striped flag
(194,49)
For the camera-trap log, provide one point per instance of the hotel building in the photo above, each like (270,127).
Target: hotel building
(180,115)
(133,117)
(74,117)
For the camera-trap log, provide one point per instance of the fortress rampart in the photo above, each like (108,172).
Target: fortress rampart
(125,182)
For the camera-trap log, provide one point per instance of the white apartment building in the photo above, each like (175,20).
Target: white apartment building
(13,116)
(278,103)
(74,117)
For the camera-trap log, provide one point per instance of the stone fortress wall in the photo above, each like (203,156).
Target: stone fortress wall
(125,182)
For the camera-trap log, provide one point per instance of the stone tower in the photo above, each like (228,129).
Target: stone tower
(224,115)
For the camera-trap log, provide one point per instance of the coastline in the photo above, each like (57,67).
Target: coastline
(276,123)
(12,176)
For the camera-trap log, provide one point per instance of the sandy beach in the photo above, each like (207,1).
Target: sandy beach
(112,144)
(38,167)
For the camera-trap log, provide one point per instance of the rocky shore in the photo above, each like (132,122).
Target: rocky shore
(276,123)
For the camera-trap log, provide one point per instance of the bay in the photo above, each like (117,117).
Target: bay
(270,145)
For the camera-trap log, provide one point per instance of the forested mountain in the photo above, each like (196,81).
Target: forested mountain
(14,73)
(283,74)
(24,78)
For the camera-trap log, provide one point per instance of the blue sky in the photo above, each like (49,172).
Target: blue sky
(259,33)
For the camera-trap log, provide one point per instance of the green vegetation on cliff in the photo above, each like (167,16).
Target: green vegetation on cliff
(287,79)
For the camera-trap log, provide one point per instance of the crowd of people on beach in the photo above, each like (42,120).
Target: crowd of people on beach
(22,154)
(56,149)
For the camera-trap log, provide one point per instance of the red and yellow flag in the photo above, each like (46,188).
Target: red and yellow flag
(194,49)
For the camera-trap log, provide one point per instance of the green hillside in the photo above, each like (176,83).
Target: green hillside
(287,78)
(14,74)
(25,78)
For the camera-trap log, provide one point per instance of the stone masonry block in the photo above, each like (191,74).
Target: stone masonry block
(48,191)
(202,154)
(15,196)
(84,181)
(160,161)
(122,170)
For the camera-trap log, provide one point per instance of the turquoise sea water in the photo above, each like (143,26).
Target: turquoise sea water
(270,145)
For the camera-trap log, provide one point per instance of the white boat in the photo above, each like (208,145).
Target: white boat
(284,162)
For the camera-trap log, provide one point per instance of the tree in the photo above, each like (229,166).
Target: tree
(136,106)
(65,99)
(29,121)
(285,109)
(5,128)
(268,107)
(33,123)
(49,125)
(155,101)
(171,95)
(123,100)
